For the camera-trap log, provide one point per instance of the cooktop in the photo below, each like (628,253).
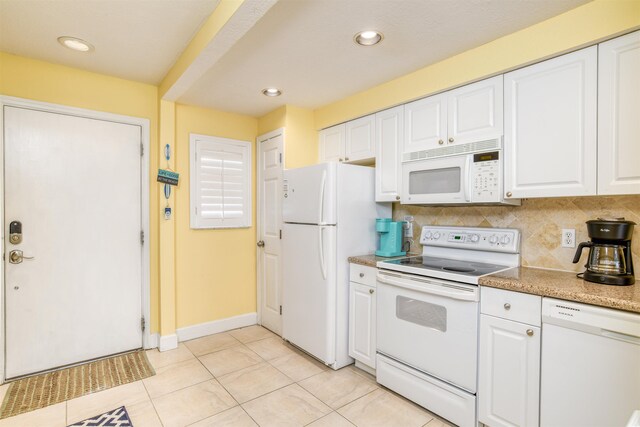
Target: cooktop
(433,264)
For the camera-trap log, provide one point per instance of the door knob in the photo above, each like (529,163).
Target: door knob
(16,257)
(260,244)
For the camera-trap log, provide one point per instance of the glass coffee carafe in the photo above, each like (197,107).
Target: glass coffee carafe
(607,259)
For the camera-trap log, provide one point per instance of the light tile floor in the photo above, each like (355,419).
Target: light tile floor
(246,377)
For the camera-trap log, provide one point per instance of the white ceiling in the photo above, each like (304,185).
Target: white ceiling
(134,39)
(304,47)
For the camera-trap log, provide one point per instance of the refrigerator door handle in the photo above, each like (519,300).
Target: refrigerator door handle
(323,182)
(323,266)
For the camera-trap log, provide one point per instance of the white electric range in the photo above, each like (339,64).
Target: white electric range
(428,311)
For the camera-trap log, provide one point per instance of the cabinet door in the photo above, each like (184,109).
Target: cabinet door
(475,112)
(332,144)
(619,115)
(425,124)
(389,131)
(550,127)
(360,139)
(362,323)
(509,373)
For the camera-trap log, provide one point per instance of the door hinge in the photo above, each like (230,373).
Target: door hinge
(142,324)
(280,310)
(280,158)
(280,234)
(141,149)
(142,237)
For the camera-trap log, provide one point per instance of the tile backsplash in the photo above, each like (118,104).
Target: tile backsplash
(539,220)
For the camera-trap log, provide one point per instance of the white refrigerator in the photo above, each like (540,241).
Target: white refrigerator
(329,214)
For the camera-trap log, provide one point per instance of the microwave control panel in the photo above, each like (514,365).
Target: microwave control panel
(485,177)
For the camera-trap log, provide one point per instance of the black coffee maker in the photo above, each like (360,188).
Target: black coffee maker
(609,260)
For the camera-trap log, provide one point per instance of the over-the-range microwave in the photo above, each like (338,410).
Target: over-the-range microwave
(462,174)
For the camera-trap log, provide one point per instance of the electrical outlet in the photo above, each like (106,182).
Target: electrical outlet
(568,238)
(408,226)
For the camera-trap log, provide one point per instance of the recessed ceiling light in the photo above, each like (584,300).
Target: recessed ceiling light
(75,44)
(368,38)
(271,91)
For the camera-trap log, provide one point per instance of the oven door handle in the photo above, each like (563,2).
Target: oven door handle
(434,288)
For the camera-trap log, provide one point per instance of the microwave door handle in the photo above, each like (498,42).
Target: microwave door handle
(466,186)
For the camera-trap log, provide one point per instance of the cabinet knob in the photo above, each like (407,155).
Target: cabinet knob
(530,332)
(397,197)
(371,291)
(450,140)
(361,274)
(507,306)
(509,193)
(441,142)
(346,159)
(340,159)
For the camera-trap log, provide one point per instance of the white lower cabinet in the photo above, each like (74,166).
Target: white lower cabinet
(362,316)
(509,359)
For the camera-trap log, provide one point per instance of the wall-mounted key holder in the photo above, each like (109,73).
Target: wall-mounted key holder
(15,232)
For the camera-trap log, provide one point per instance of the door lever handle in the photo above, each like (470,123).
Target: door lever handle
(16,257)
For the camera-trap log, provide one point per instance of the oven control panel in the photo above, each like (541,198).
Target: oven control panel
(474,238)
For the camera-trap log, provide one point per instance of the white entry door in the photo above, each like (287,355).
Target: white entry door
(74,184)
(269,230)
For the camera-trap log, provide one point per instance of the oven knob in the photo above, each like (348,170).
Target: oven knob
(427,235)
(505,240)
(436,235)
(475,238)
(493,240)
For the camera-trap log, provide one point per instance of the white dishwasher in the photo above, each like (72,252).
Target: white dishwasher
(590,365)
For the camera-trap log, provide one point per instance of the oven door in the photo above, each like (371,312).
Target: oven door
(443,180)
(430,325)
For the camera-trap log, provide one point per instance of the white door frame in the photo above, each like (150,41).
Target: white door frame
(259,225)
(144,199)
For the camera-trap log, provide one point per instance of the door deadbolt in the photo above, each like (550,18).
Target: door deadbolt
(16,257)
(15,232)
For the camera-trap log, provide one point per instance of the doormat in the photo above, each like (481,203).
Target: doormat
(42,390)
(116,418)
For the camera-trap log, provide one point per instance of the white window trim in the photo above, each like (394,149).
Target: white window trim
(197,222)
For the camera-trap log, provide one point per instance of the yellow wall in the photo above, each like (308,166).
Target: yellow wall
(301,138)
(215,269)
(42,81)
(576,28)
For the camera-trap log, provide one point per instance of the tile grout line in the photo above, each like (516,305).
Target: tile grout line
(153,405)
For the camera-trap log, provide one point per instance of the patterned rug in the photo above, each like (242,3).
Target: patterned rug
(116,418)
(36,392)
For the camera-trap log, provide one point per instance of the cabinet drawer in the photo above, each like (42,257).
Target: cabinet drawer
(363,274)
(511,305)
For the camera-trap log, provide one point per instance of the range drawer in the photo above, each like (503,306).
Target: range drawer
(363,274)
(511,305)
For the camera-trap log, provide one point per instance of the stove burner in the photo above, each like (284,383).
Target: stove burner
(459,269)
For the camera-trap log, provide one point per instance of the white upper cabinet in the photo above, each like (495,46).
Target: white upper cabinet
(475,112)
(550,127)
(619,115)
(468,114)
(389,131)
(360,139)
(332,144)
(352,142)
(425,123)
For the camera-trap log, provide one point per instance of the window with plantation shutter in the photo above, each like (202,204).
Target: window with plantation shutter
(220,181)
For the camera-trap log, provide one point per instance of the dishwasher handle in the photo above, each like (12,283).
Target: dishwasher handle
(432,287)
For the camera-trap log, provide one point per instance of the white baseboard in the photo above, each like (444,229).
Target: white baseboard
(152,342)
(168,342)
(217,326)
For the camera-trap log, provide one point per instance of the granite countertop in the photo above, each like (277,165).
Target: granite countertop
(371,260)
(566,286)
(548,283)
